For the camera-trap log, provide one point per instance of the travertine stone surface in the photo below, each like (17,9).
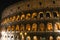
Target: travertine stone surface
(30,5)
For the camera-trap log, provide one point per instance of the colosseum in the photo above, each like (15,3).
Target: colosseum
(31,20)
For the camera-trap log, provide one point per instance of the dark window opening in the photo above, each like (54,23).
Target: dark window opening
(55,14)
(8,36)
(28,5)
(11,36)
(11,10)
(18,7)
(35,16)
(40,3)
(47,15)
(5,36)
(16,37)
(41,15)
(53,2)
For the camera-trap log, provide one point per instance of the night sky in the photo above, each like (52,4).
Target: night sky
(5,3)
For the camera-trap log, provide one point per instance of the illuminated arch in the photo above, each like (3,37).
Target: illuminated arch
(41,27)
(12,28)
(51,38)
(34,27)
(21,27)
(28,27)
(28,16)
(23,17)
(49,27)
(14,18)
(28,38)
(8,28)
(57,26)
(11,19)
(34,15)
(58,38)
(18,18)
(35,38)
(17,27)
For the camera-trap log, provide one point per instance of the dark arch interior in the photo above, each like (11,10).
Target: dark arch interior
(18,7)
(41,15)
(48,15)
(28,5)
(8,36)
(54,14)
(53,2)
(40,3)
(11,36)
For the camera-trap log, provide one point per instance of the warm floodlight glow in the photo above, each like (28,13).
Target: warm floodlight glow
(25,33)
(3,32)
(21,33)
(4,35)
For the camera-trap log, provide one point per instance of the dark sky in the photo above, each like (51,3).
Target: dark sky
(5,3)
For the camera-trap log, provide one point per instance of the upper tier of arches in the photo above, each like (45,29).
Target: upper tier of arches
(30,5)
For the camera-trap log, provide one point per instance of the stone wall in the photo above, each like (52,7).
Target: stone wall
(30,5)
